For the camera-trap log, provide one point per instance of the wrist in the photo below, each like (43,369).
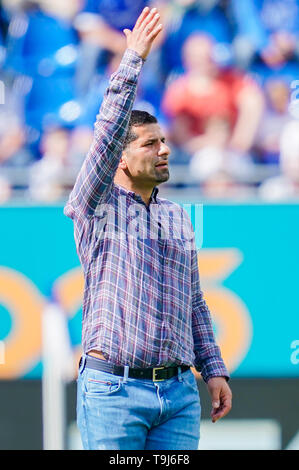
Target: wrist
(137,53)
(226,378)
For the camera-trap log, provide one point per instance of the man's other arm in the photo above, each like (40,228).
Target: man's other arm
(208,360)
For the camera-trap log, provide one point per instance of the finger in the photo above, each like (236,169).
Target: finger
(127,32)
(151,25)
(142,16)
(215,409)
(215,403)
(147,19)
(215,393)
(217,414)
(220,413)
(222,410)
(155,32)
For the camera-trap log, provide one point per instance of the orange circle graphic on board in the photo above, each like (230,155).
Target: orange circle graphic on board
(22,346)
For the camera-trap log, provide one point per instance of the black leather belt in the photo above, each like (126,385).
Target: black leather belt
(155,374)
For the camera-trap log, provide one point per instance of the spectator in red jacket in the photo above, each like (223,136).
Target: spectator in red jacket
(207,92)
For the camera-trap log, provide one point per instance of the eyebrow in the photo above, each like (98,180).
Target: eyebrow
(154,139)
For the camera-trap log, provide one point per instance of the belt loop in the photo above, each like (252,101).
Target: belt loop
(126,374)
(180,374)
(82,363)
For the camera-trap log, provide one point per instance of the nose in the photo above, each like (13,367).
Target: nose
(164,149)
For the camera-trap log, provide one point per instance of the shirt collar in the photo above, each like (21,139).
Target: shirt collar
(154,194)
(135,196)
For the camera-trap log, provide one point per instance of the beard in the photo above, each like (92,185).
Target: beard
(162,176)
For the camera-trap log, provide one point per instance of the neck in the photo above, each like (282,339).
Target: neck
(143,191)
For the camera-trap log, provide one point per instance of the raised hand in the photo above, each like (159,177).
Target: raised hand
(146,29)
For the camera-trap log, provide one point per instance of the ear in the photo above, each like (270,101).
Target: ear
(123,162)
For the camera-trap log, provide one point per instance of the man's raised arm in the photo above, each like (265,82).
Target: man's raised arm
(97,173)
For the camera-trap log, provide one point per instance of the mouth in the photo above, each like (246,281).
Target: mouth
(163,165)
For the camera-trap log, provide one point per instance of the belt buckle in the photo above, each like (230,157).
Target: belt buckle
(154,374)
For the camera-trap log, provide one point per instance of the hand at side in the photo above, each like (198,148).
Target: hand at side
(221,397)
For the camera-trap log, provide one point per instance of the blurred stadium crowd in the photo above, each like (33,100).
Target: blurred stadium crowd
(222,81)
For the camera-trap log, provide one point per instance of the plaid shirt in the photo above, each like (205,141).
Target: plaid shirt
(142,304)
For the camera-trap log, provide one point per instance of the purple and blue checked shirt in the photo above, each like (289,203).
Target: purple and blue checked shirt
(142,304)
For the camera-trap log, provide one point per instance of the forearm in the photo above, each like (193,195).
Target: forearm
(208,360)
(98,170)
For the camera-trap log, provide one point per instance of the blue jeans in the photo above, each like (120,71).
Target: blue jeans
(121,413)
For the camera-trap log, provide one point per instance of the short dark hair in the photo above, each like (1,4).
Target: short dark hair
(138,118)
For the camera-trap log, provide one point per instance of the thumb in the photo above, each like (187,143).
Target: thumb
(215,398)
(127,32)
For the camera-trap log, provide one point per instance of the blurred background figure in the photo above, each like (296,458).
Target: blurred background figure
(15,156)
(276,116)
(46,175)
(63,152)
(266,31)
(206,91)
(286,185)
(42,48)
(214,111)
(186,17)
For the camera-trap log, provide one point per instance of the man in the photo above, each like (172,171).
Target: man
(144,319)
